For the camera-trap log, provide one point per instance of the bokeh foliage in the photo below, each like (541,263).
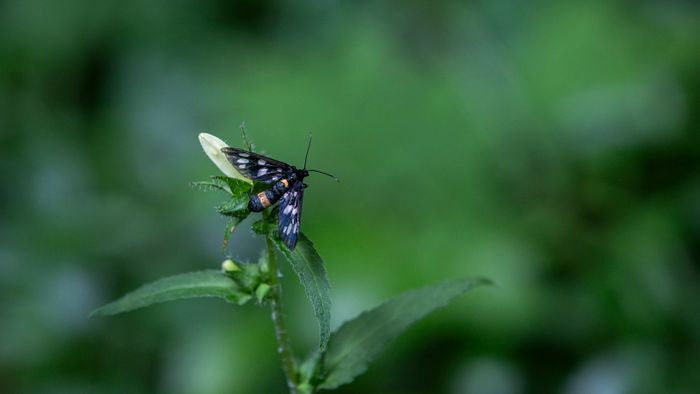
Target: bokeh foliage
(551,146)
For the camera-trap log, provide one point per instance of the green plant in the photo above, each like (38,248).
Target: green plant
(341,355)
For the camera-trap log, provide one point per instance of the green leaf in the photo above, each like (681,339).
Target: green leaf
(236,187)
(309,268)
(236,207)
(233,222)
(209,283)
(358,341)
(232,186)
(211,185)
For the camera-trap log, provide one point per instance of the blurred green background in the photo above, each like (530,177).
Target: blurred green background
(551,146)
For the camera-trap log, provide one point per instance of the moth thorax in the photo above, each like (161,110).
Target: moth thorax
(281,187)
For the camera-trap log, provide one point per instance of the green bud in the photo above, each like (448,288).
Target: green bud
(229,266)
(263,264)
(262,291)
(246,276)
(305,388)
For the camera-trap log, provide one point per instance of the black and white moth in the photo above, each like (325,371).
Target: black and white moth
(287,187)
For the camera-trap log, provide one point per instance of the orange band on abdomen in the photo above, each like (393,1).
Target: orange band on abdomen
(263,199)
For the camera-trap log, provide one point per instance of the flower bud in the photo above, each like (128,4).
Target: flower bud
(212,146)
(229,266)
(262,291)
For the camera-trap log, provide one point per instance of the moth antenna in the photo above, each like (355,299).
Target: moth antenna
(327,174)
(308,147)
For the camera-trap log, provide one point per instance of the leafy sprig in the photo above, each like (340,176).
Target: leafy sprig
(341,355)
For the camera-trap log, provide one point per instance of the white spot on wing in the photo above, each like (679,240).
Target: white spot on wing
(261,162)
(287,209)
(262,171)
(294,211)
(242,161)
(243,155)
(242,166)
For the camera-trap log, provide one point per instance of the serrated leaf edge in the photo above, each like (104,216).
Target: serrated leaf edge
(324,330)
(210,292)
(363,368)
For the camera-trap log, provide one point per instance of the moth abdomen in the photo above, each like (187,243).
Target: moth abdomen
(269,197)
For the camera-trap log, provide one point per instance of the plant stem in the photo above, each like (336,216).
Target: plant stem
(283,346)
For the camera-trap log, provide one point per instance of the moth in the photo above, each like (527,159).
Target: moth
(287,187)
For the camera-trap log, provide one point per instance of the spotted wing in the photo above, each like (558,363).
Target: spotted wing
(290,214)
(256,167)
